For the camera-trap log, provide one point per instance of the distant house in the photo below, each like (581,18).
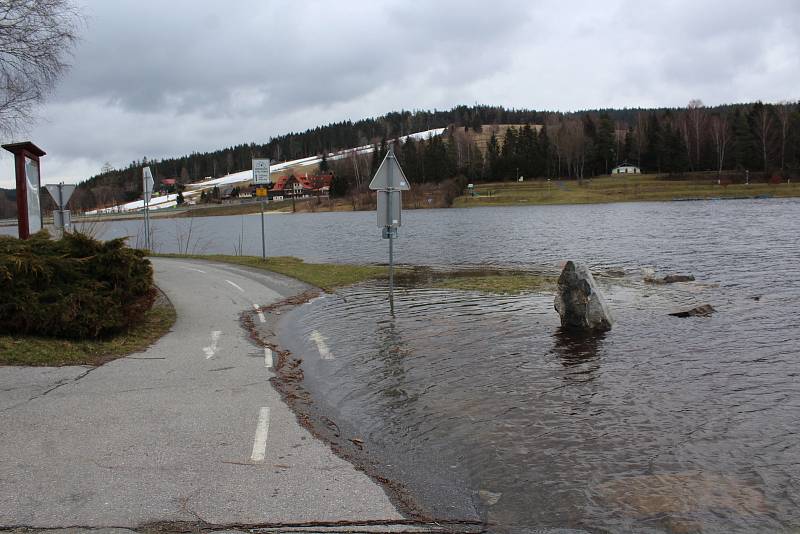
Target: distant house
(626,168)
(301,186)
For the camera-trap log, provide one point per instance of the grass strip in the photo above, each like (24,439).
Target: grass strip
(636,188)
(42,351)
(500,284)
(326,276)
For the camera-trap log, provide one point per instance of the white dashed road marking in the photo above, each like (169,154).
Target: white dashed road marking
(212,349)
(317,338)
(260,314)
(260,440)
(237,286)
(193,269)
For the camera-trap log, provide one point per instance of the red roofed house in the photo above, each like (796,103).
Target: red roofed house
(300,186)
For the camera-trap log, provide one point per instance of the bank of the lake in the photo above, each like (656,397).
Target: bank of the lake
(621,188)
(598,190)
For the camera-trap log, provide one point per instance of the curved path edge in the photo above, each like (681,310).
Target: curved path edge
(187,431)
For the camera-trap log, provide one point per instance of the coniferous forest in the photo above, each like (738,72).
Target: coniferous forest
(491,143)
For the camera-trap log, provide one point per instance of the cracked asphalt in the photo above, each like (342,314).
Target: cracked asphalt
(169,434)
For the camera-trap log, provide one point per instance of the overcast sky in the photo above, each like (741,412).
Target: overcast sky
(161,79)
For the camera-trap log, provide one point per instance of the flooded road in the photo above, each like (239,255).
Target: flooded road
(662,424)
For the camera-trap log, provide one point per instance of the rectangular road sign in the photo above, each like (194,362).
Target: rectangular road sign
(261,171)
(261,191)
(147,184)
(389,209)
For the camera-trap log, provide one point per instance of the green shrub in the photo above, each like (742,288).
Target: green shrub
(76,287)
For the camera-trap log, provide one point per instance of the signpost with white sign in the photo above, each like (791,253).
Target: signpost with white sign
(389,181)
(261,177)
(147,193)
(261,171)
(61,194)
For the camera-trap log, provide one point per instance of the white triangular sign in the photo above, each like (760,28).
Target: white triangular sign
(66,193)
(147,183)
(389,176)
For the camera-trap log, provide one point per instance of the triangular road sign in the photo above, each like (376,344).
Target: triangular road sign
(147,183)
(389,176)
(62,198)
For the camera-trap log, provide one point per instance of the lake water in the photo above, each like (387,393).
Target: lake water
(660,425)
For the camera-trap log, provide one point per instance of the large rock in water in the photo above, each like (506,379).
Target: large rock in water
(578,302)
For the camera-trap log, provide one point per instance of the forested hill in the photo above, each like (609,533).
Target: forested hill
(755,136)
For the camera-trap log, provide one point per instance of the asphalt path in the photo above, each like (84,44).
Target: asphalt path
(188,430)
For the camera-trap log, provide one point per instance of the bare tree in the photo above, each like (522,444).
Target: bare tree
(720,131)
(36,36)
(554,130)
(697,117)
(641,130)
(620,133)
(573,139)
(784,112)
(764,125)
(685,129)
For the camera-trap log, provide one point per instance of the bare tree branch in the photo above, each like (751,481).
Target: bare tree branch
(36,38)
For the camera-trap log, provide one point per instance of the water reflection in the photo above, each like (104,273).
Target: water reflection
(579,352)
(390,356)
(576,347)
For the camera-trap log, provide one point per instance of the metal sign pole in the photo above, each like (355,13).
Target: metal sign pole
(263,237)
(261,181)
(146,224)
(391,270)
(60,208)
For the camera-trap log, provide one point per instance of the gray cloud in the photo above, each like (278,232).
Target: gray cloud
(161,79)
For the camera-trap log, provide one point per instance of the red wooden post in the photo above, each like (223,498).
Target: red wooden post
(23,151)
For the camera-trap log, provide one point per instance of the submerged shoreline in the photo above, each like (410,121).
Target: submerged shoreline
(343,441)
(420,401)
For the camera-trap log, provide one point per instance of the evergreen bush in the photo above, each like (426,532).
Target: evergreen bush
(76,287)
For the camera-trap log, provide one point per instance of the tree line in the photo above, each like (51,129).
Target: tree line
(763,139)
(758,137)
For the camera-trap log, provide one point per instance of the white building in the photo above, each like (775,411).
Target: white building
(626,168)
